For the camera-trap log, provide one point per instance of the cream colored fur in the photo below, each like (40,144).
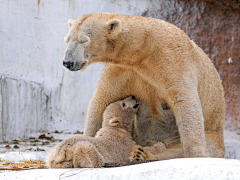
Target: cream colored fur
(158,63)
(112,143)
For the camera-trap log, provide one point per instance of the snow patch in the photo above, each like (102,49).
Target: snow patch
(19,156)
(194,168)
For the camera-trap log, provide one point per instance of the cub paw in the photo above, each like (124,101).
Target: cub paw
(139,154)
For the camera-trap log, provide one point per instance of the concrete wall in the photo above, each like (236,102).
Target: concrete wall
(34,86)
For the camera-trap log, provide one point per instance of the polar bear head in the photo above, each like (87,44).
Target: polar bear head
(121,114)
(103,38)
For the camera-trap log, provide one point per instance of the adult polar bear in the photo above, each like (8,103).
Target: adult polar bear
(159,56)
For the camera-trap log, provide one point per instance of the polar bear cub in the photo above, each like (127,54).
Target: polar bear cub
(112,143)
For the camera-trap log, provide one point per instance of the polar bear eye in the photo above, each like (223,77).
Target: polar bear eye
(123,104)
(85,40)
(85,55)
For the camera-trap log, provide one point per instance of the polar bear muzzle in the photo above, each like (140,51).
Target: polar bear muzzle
(75,57)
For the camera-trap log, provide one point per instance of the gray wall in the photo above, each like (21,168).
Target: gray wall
(34,87)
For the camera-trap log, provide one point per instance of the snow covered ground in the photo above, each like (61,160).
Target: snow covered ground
(195,169)
(35,148)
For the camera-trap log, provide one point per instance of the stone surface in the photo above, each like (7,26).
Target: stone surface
(23,106)
(215,26)
(232,149)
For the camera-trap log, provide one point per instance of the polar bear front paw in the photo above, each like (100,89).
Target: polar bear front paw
(139,154)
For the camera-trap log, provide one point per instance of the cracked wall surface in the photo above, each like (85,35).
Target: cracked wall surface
(24,108)
(215,26)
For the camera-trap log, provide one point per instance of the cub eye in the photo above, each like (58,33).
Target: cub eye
(123,104)
(135,106)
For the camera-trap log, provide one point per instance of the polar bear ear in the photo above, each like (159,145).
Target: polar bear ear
(114,121)
(114,26)
(70,22)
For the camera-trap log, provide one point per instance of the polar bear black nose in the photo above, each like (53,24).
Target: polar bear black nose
(68,64)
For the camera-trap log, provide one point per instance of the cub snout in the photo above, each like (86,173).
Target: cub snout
(131,102)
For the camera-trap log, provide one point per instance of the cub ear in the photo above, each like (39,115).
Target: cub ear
(114,121)
(70,22)
(114,26)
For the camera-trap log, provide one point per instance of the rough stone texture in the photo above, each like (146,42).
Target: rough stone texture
(215,26)
(232,147)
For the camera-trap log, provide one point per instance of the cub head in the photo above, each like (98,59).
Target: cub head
(121,114)
(89,39)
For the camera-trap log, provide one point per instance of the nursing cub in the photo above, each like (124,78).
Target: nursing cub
(112,143)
